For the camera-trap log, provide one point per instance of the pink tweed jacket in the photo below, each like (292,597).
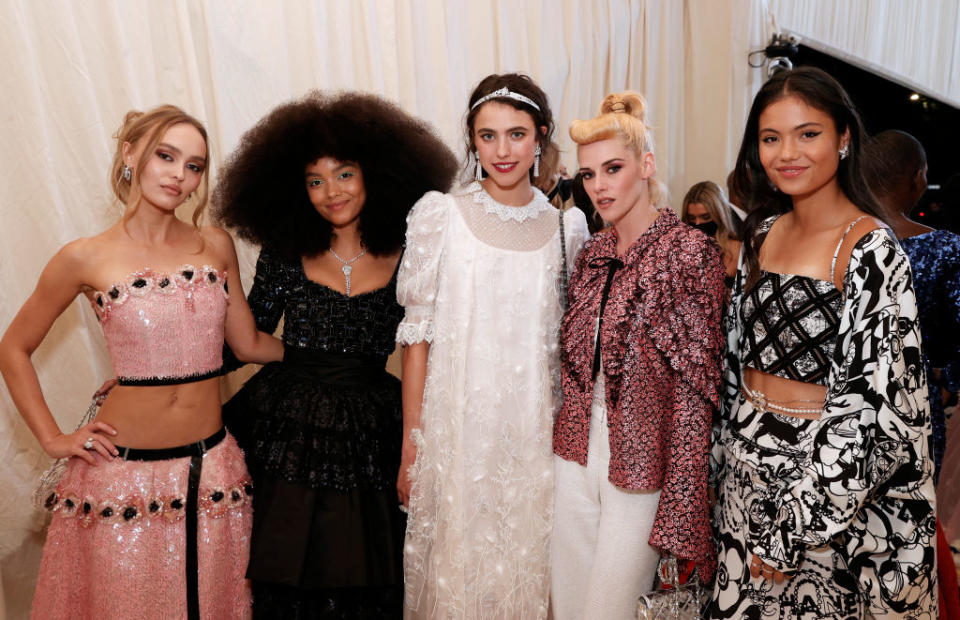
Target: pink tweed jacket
(661,349)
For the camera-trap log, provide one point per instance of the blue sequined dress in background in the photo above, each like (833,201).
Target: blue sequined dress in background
(935,263)
(322,434)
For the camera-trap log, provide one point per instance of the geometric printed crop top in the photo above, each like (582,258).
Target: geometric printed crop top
(791,322)
(164,329)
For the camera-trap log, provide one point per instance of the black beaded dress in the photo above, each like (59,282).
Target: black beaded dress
(322,434)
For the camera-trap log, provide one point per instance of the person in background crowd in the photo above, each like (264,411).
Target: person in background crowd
(896,168)
(706,209)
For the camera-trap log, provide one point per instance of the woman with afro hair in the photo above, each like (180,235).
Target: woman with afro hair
(324,185)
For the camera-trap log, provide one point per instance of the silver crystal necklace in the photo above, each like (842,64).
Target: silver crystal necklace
(346,268)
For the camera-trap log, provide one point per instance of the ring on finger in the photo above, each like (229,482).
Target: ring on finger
(88,444)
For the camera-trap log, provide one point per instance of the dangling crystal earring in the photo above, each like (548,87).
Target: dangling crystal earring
(127,173)
(844,151)
(536,162)
(478,175)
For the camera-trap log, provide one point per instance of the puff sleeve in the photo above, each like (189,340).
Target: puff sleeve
(419,276)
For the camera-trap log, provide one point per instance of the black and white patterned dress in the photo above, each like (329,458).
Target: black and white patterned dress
(845,502)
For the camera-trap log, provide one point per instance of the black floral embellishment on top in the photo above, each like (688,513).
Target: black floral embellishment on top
(114,292)
(235,496)
(164,282)
(212,277)
(129,512)
(188,274)
(217,496)
(139,283)
(51,501)
(176,504)
(106,512)
(100,300)
(154,506)
(87,507)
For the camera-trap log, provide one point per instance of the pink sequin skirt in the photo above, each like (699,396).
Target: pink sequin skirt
(117,546)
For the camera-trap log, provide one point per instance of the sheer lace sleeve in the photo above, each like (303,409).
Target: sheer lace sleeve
(576,233)
(420,267)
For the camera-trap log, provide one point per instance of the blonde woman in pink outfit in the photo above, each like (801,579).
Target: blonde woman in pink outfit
(152,515)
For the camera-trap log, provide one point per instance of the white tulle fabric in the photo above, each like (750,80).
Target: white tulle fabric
(484,290)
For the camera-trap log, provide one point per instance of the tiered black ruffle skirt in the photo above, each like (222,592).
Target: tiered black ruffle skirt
(322,435)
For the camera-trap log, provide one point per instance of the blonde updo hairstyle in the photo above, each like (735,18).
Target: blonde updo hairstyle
(622,116)
(148,128)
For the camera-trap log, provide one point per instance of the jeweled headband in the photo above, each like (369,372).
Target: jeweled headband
(509,94)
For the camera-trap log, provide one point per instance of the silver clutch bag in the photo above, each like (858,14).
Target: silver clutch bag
(682,602)
(45,495)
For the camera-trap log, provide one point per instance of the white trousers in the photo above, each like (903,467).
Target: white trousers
(601,561)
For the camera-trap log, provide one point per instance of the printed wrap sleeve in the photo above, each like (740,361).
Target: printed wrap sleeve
(267,299)
(418,278)
(730,375)
(870,465)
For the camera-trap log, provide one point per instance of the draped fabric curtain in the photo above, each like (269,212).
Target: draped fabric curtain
(73,69)
(916,43)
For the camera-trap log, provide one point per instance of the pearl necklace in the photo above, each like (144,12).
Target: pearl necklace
(346,269)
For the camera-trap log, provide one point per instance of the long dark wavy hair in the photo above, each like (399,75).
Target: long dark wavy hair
(818,90)
(262,193)
(522,85)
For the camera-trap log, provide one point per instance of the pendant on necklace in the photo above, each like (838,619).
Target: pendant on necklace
(346,274)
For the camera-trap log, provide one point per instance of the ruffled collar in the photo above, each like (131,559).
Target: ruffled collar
(531,210)
(605,241)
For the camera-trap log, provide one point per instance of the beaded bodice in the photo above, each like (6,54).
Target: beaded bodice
(164,328)
(316,316)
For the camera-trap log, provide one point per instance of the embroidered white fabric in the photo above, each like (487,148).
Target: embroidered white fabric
(480,519)
(509,212)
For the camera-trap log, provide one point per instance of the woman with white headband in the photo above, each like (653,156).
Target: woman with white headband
(481,282)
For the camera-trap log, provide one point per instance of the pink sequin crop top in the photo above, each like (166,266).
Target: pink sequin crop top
(164,329)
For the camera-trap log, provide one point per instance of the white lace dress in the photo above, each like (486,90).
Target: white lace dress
(480,282)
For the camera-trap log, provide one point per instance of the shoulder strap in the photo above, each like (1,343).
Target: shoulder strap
(564,275)
(836,252)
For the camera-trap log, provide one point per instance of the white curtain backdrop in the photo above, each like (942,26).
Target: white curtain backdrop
(916,43)
(72,69)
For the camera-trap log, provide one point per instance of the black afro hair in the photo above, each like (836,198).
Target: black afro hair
(262,194)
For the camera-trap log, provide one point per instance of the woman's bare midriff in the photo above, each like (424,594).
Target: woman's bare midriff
(163,416)
(786,393)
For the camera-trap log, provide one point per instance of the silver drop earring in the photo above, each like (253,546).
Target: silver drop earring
(127,173)
(844,151)
(478,175)
(536,162)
